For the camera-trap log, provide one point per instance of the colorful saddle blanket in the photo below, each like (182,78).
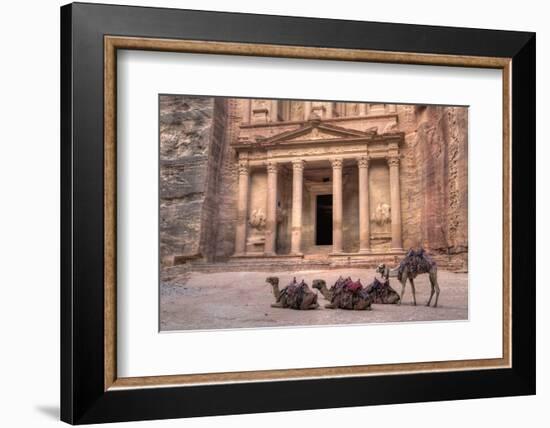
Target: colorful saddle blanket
(294,293)
(415,262)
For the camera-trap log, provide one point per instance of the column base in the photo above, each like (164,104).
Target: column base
(365,251)
(269,254)
(296,254)
(397,249)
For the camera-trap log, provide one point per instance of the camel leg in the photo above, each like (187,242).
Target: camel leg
(433,278)
(403,284)
(432,291)
(413,291)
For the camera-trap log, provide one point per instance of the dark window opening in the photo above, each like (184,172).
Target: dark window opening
(323,229)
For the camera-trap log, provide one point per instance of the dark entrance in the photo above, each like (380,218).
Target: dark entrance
(323,230)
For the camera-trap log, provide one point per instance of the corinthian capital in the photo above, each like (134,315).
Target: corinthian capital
(393,161)
(363,162)
(298,164)
(243,167)
(336,163)
(272,167)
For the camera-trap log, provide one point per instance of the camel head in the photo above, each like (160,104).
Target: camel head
(274,282)
(319,284)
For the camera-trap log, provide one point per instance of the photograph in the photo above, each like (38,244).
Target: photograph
(298,213)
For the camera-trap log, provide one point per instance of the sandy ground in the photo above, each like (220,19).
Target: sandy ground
(242,299)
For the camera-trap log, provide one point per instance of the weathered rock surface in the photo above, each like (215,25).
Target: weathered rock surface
(435,178)
(191,146)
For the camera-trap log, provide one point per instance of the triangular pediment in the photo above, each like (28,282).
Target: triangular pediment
(316,132)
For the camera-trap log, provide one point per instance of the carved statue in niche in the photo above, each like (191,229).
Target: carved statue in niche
(296,110)
(382,214)
(257,219)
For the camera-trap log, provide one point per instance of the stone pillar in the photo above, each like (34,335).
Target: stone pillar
(337,210)
(242,209)
(329,110)
(247,109)
(274,111)
(297,205)
(307,110)
(271,218)
(362,109)
(395,195)
(364,214)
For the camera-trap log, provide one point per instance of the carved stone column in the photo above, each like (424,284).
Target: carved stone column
(247,108)
(395,195)
(364,220)
(337,210)
(274,111)
(271,218)
(307,109)
(242,208)
(297,206)
(329,110)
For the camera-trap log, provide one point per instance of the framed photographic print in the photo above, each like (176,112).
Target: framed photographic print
(265,213)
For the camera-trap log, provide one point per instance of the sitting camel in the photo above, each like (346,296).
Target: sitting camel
(381,292)
(293,296)
(417,263)
(344,294)
(378,291)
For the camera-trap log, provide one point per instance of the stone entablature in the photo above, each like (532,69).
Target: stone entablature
(255,132)
(317,141)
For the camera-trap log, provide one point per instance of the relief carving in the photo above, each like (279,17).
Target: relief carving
(382,214)
(296,110)
(257,219)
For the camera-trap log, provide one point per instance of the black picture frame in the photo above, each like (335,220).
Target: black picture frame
(83,398)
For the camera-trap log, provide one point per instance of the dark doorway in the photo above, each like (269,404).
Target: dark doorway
(323,230)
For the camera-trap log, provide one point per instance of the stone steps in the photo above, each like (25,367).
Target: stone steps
(278,264)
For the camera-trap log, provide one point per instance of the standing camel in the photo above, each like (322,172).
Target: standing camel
(417,263)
